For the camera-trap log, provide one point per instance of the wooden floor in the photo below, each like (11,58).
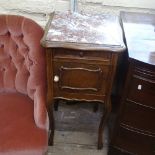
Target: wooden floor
(76,130)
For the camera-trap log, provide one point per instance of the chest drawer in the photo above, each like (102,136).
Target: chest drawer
(135,142)
(142,90)
(140,117)
(80,77)
(85,55)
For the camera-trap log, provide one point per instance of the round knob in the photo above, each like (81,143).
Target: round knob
(56,78)
(139,87)
(81,54)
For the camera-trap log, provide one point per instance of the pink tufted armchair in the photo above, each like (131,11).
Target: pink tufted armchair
(23,117)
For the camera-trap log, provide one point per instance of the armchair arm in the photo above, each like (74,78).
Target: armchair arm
(40,112)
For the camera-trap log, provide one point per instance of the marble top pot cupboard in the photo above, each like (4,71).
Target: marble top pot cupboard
(134,133)
(82,52)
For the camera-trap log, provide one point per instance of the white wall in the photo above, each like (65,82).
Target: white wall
(127,3)
(35,9)
(39,10)
(111,6)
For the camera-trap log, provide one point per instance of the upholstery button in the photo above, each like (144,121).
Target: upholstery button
(8,33)
(21,35)
(31,63)
(15,70)
(27,48)
(2,46)
(3,69)
(28,73)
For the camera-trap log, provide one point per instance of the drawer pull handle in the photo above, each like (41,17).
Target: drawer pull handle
(81,54)
(56,78)
(139,87)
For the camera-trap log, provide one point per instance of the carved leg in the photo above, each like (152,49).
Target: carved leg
(56,105)
(52,126)
(102,124)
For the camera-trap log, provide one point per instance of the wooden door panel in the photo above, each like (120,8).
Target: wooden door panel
(80,77)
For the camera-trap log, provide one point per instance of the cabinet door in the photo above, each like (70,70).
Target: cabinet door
(80,78)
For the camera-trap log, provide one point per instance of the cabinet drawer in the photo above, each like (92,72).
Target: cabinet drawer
(142,91)
(80,78)
(135,142)
(144,70)
(77,54)
(139,117)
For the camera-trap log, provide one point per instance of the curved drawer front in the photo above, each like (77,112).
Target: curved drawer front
(144,70)
(84,55)
(138,117)
(135,142)
(142,90)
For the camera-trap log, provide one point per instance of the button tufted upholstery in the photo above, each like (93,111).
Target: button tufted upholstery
(22,73)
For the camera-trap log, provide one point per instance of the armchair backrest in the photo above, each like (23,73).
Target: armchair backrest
(22,61)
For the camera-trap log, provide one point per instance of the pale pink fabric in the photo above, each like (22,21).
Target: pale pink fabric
(22,65)
(18,132)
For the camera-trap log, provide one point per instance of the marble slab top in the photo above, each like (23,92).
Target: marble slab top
(82,28)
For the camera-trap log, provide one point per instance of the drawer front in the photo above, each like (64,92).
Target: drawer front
(80,78)
(144,70)
(134,142)
(142,91)
(139,117)
(77,54)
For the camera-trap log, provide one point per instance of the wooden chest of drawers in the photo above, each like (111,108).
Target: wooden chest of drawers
(134,133)
(80,65)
